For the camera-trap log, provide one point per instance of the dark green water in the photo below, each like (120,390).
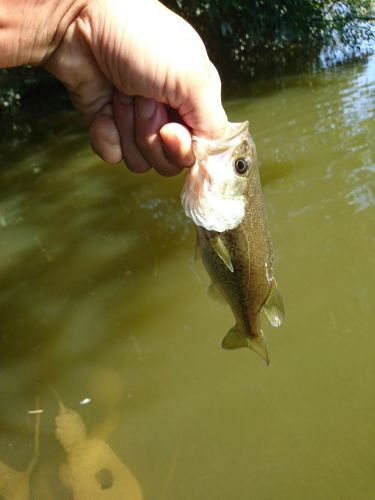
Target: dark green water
(102,300)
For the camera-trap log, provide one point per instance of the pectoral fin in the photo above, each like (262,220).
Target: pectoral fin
(236,339)
(221,250)
(274,306)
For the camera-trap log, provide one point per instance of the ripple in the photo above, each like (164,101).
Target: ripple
(362,197)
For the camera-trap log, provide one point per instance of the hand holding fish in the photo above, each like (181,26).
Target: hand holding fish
(126,65)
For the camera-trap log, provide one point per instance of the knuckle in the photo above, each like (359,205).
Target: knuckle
(144,142)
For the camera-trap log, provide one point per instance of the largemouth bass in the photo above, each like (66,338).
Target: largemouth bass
(222,194)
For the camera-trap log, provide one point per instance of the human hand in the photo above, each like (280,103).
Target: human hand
(126,65)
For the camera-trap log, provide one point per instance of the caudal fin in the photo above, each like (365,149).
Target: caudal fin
(235,339)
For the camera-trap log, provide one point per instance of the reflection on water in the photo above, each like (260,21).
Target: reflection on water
(91,469)
(15,484)
(101,299)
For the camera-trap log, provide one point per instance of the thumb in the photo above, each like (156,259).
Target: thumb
(203,110)
(176,140)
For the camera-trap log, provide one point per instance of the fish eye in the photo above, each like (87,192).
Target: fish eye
(242,165)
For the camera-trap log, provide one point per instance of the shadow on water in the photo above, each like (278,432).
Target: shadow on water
(57,225)
(80,241)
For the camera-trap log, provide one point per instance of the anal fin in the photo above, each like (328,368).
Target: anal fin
(274,306)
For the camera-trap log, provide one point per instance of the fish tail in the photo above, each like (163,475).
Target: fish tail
(236,338)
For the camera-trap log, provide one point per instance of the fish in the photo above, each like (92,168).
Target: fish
(222,195)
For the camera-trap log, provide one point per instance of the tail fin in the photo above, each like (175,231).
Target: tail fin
(235,339)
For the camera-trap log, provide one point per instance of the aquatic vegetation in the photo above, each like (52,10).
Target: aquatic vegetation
(241,35)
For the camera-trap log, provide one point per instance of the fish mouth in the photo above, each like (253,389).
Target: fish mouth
(214,146)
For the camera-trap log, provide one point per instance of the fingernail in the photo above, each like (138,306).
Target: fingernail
(145,108)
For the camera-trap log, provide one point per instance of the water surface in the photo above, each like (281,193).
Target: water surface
(101,298)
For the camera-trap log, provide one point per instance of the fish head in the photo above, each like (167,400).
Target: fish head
(216,189)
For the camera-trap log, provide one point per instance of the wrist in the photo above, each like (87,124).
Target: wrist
(30,30)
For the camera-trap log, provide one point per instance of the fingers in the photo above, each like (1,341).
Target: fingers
(137,130)
(147,139)
(125,121)
(150,116)
(104,136)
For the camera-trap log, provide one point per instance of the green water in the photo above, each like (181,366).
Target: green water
(102,300)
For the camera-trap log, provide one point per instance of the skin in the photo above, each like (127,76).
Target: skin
(249,246)
(137,72)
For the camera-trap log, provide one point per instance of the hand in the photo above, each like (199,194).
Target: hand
(127,64)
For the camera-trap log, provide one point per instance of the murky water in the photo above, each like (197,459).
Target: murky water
(101,300)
